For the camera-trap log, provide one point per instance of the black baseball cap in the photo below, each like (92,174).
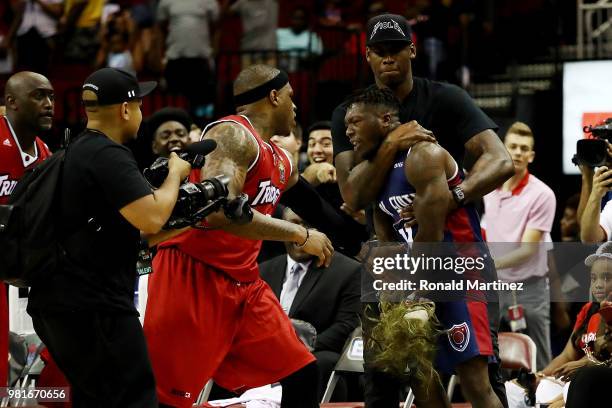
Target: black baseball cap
(114,86)
(388,28)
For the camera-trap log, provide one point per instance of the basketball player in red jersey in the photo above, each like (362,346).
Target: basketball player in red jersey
(29,111)
(209,314)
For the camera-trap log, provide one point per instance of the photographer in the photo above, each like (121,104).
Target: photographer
(594,158)
(84,311)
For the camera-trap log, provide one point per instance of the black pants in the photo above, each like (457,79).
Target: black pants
(104,357)
(382,390)
(300,388)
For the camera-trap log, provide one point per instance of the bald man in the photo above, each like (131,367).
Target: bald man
(84,312)
(209,313)
(29,112)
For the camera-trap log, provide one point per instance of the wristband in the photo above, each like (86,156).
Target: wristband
(305,241)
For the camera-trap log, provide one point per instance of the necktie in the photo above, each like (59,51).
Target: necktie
(290,287)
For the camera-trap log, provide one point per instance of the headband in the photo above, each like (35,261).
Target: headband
(261,91)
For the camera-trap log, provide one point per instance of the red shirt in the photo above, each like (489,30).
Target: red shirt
(590,327)
(266,179)
(13,161)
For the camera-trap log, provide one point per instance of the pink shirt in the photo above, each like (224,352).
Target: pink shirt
(531,205)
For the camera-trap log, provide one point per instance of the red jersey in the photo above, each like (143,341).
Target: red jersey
(13,160)
(13,163)
(266,179)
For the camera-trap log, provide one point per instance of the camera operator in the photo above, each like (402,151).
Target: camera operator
(84,311)
(595,218)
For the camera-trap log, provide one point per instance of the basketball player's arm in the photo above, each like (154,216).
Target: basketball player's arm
(235,152)
(425,169)
(383,226)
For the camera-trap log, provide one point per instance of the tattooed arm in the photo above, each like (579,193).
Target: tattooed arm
(236,150)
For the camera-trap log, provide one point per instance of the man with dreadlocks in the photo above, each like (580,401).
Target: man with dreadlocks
(422,176)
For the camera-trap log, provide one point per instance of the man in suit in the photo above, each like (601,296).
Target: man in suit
(328,298)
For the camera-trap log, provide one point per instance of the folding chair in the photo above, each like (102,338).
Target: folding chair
(516,351)
(30,371)
(351,361)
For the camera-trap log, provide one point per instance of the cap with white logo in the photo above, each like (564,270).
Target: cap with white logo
(114,86)
(388,28)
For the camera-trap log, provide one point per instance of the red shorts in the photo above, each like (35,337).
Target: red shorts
(201,324)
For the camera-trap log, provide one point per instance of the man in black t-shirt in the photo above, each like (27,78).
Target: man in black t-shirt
(84,312)
(427,108)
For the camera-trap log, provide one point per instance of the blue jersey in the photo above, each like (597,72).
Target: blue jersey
(465,316)
(462,225)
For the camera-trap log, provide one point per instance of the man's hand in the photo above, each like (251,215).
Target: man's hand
(359,216)
(319,173)
(602,182)
(178,166)
(565,372)
(319,245)
(407,213)
(408,134)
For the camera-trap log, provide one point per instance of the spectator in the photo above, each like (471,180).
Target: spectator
(79,26)
(321,170)
(331,13)
(298,43)
(521,212)
(585,332)
(596,217)
(34,28)
(259,22)
(320,146)
(432,19)
(117,41)
(169,131)
(186,26)
(327,298)
(591,229)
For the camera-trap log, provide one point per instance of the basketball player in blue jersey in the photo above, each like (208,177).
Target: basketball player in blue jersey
(423,176)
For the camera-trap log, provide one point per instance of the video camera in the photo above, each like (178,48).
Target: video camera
(593,152)
(197,200)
